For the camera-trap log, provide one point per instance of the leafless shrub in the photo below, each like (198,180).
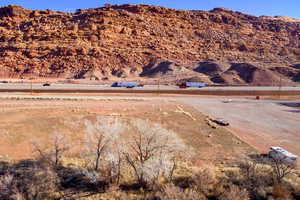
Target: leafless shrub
(255,175)
(4,167)
(29,180)
(248,168)
(97,147)
(8,188)
(281,169)
(297,189)
(280,192)
(171,192)
(54,151)
(204,181)
(151,154)
(115,193)
(230,191)
(142,150)
(82,179)
(113,166)
(103,148)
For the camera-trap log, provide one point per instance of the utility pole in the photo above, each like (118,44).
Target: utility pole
(31,87)
(280,85)
(158,85)
(30,80)
(31,77)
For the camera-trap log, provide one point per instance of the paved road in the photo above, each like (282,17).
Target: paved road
(76,88)
(147,87)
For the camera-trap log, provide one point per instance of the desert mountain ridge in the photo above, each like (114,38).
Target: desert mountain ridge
(148,42)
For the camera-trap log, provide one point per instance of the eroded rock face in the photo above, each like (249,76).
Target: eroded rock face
(121,41)
(13,11)
(209,68)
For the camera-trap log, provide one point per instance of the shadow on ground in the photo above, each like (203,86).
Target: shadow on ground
(295,107)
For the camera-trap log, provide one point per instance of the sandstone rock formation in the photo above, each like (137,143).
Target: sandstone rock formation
(128,41)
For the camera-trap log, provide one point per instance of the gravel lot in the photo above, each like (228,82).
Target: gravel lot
(260,123)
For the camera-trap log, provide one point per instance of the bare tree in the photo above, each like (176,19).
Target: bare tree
(143,149)
(100,140)
(98,145)
(151,152)
(59,145)
(114,161)
(281,168)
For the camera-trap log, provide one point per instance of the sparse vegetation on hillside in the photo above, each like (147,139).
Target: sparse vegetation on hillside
(151,164)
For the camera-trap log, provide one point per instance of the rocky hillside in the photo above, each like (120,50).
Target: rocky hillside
(144,42)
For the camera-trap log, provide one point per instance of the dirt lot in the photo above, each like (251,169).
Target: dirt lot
(25,121)
(260,123)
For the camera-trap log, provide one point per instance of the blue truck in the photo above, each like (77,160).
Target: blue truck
(126,84)
(192,84)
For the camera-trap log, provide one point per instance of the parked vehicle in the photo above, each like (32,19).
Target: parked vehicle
(282,155)
(227,101)
(182,86)
(220,122)
(46,84)
(127,84)
(192,84)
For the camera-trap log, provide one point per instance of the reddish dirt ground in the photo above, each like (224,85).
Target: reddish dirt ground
(25,121)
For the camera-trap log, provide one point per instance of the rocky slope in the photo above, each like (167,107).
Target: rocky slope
(144,42)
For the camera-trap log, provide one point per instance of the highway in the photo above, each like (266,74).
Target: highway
(80,88)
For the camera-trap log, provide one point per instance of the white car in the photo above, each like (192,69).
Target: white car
(282,155)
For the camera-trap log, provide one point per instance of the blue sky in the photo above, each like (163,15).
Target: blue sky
(290,8)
